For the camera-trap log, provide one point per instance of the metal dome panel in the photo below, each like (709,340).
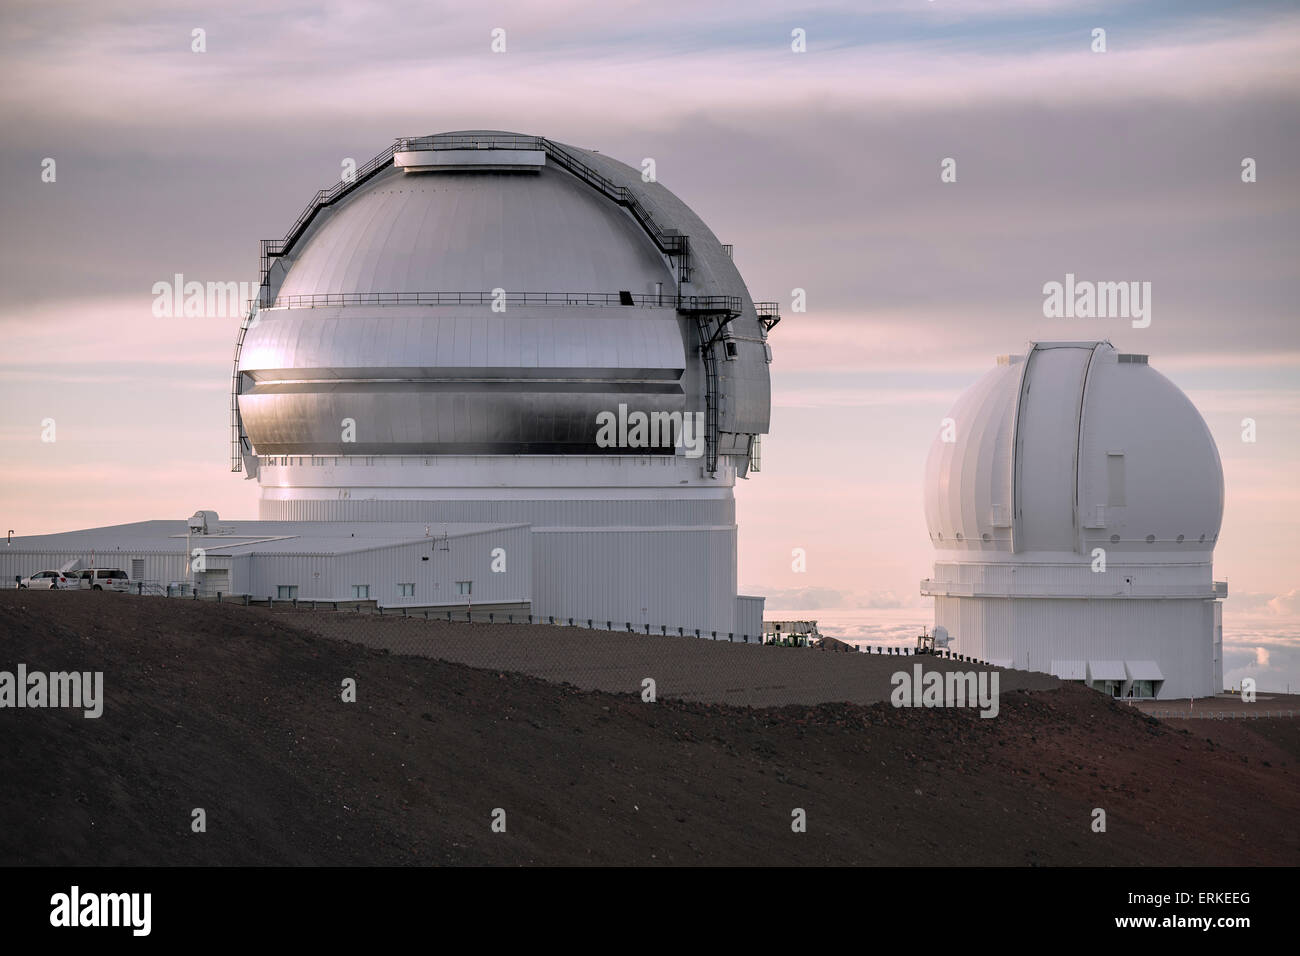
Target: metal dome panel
(474,232)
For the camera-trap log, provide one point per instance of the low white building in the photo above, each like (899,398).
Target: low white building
(1074,497)
(451,567)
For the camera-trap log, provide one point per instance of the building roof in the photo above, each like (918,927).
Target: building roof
(243,537)
(1143,670)
(1106,670)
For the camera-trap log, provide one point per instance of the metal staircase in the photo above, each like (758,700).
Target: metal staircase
(239,443)
(712,315)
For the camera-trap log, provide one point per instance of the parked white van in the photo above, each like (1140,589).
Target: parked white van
(52,580)
(104,579)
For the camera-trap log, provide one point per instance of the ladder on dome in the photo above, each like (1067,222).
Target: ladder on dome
(239,443)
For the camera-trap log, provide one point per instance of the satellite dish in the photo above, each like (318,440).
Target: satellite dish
(941,636)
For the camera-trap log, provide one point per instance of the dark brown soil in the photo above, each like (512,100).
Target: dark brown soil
(238,711)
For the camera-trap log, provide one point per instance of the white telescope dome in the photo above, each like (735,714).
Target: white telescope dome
(1069,447)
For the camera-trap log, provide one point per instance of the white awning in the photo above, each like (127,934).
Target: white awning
(1143,670)
(1106,670)
(1070,670)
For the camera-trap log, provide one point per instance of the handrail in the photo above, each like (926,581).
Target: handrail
(691,304)
(769,313)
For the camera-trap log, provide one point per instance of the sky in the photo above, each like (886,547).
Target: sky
(822,167)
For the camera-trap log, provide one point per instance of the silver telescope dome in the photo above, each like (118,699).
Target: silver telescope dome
(492,293)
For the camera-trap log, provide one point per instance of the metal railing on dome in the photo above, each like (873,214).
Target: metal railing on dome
(769,313)
(691,304)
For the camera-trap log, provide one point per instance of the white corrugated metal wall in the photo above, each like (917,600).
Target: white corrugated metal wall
(468,557)
(682,578)
(1179,635)
(749,617)
(158,567)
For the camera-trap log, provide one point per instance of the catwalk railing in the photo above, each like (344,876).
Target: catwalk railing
(683,303)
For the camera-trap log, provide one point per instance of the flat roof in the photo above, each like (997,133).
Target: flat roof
(243,537)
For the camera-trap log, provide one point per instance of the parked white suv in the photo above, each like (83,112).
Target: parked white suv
(50,580)
(105,579)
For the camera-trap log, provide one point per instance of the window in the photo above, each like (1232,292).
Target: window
(465,587)
(730,349)
(1114,479)
(361,592)
(286,592)
(406,590)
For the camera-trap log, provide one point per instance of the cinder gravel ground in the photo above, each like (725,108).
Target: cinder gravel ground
(683,668)
(239,711)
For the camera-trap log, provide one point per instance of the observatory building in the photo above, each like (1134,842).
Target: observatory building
(477,333)
(1074,498)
